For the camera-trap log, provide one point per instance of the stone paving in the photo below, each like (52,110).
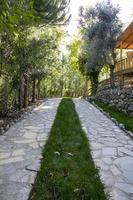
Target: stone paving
(112,151)
(20,151)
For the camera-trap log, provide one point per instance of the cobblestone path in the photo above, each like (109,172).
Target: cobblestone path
(112,151)
(20,151)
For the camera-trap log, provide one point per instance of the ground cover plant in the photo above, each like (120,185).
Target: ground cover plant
(118,115)
(67,169)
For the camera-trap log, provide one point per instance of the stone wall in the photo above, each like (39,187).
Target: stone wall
(122,99)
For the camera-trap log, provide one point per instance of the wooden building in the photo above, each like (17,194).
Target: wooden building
(124,67)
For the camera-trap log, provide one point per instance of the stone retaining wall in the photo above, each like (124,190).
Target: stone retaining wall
(122,99)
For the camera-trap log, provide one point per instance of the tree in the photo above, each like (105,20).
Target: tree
(51,11)
(74,51)
(76,62)
(90,62)
(17,60)
(102,27)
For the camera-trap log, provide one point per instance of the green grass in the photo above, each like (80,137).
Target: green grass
(119,116)
(67,176)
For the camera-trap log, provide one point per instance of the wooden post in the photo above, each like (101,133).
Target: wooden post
(121,55)
(121,78)
(129,63)
(121,81)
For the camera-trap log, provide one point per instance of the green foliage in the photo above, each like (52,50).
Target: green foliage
(26,50)
(74,49)
(7,98)
(51,11)
(15,13)
(102,28)
(119,116)
(77,73)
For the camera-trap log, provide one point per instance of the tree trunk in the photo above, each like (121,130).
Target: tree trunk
(25,91)
(38,89)
(94,82)
(86,85)
(112,82)
(62,87)
(21,92)
(112,67)
(75,90)
(16,100)
(33,90)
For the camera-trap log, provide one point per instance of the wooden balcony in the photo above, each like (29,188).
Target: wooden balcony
(125,42)
(125,66)
(123,73)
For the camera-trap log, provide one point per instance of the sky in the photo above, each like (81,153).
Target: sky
(126,12)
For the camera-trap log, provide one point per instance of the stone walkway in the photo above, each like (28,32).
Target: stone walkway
(112,151)
(20,151)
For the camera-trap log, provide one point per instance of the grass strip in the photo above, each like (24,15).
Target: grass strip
(118,115)
(67,169)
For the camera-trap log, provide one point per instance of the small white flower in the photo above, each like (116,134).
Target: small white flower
(76,189)
(70,154)
(57,153)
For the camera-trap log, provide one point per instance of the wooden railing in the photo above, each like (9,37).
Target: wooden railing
(122,67)
(127,82)
(124,64)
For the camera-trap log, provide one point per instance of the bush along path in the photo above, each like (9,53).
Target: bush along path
(67,169)
(112,150)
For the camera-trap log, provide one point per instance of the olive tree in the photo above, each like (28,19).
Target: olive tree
(102,27)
